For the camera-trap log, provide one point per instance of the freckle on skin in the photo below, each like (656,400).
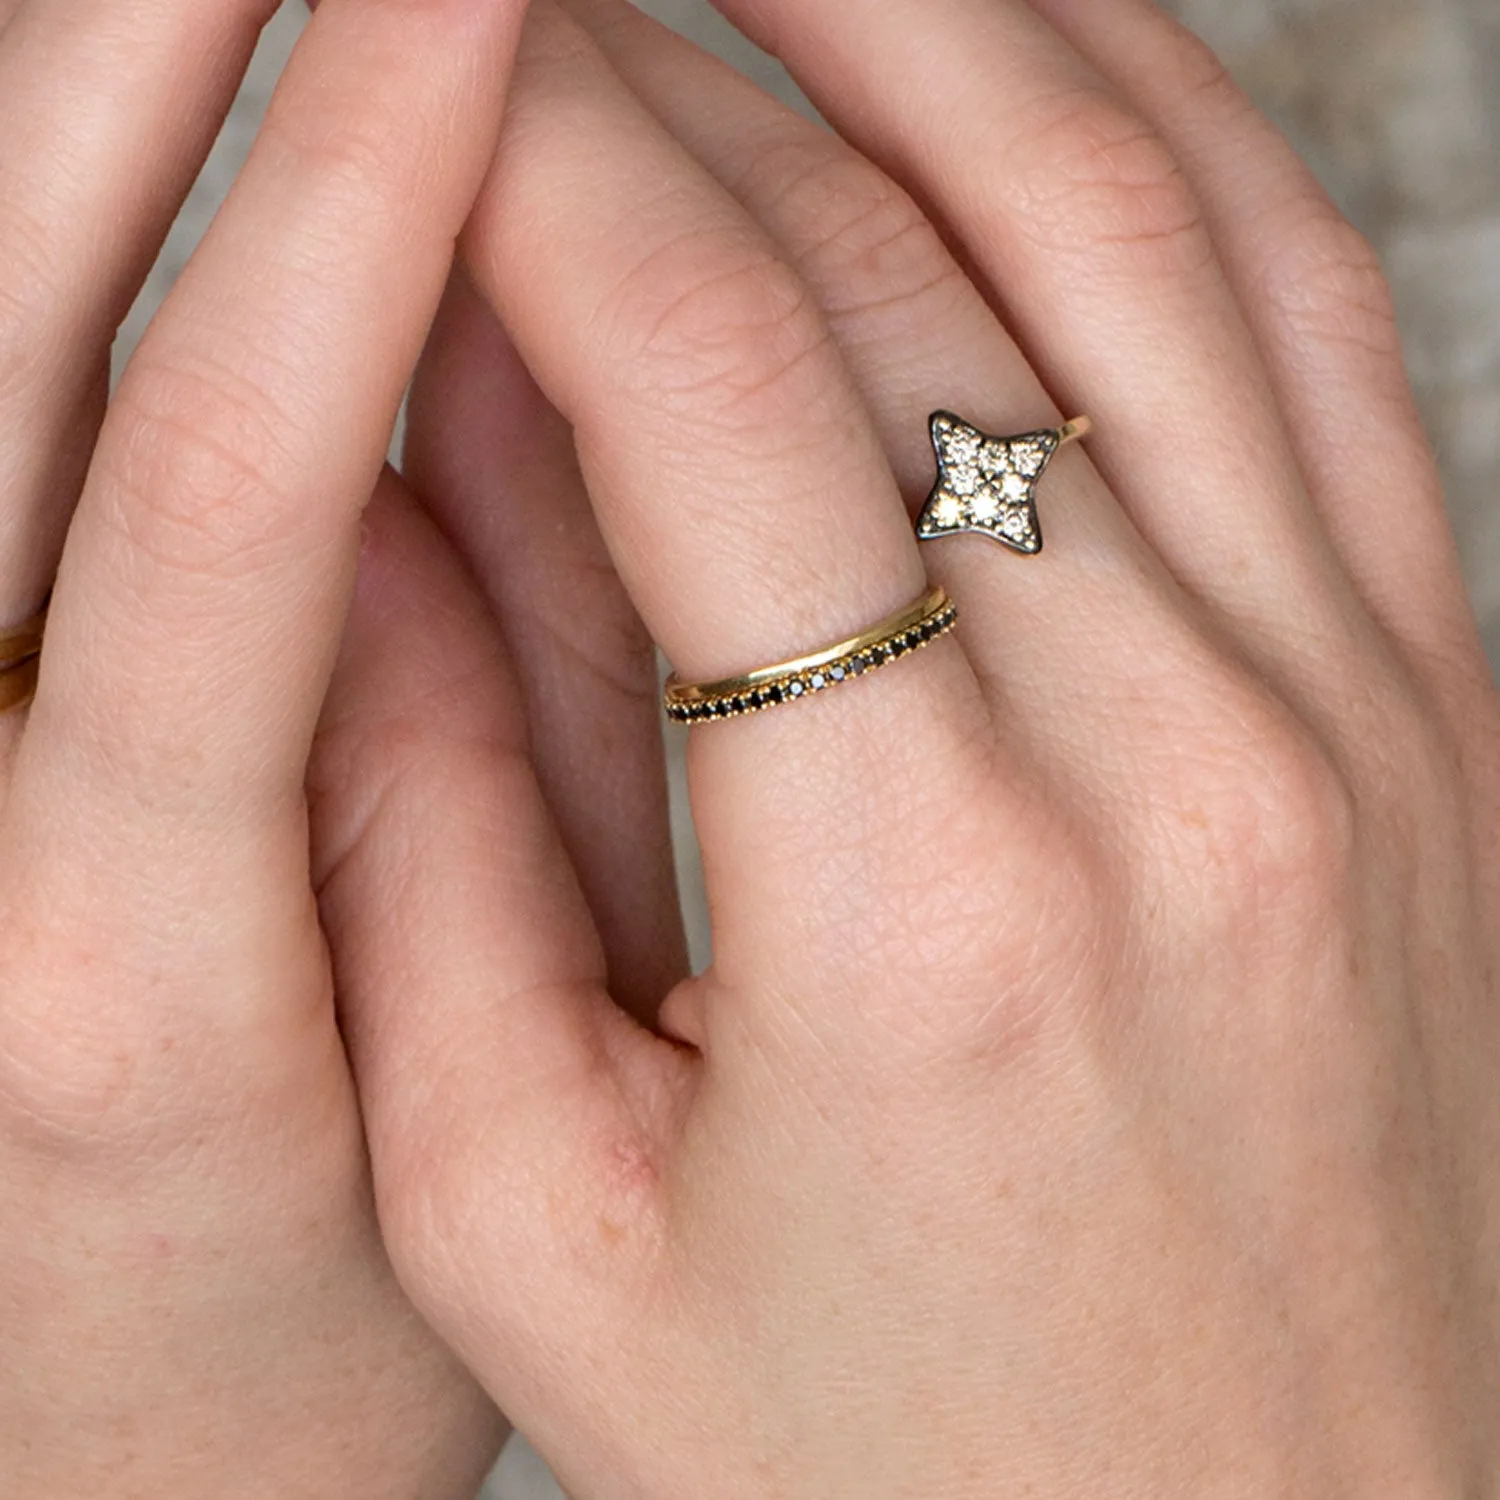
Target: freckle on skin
(147,1249)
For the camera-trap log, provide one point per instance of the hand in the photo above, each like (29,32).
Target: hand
(1093,1090)
(195,1298)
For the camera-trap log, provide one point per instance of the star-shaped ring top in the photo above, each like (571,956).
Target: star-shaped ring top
(988,484)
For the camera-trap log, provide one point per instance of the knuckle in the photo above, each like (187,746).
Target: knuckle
(860,236)
(1304,814)
(427,1208)
(1408,759)
(1198,78)
(116,1052)
(388,755)
(71,1100)
(1096,178)
(1326,278)
(1273,824)
(377,129)
(56,1096)
(355,153)
(995,969)
(1058,943)
(199,479)
(448,1215)
(85,1071)
(732,335)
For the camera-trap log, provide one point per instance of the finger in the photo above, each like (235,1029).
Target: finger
(495,466)
(723,269)
(739,481)
(1313,292)
(499,1085)
(1082,226)
(201,598)
(106,115)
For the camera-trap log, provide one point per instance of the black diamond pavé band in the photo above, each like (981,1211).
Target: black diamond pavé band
(933,615)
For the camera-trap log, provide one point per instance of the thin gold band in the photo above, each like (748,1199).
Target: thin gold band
(20,657)
(919,624)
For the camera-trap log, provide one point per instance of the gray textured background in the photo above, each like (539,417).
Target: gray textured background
(1397,105)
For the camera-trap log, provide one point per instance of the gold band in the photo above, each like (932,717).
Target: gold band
(20,658)
(933,615)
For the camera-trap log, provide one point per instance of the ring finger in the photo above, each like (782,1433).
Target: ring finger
(107,112)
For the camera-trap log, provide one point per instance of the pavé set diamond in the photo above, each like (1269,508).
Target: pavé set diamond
(988,484)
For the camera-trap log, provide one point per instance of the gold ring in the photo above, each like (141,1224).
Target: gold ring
(916,626)
(988,484)
(20,658)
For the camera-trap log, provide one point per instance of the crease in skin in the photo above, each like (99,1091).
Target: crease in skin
(1322,312)
(902,369)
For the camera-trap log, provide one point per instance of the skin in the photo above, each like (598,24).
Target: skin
(196,1299)
(1092,1090)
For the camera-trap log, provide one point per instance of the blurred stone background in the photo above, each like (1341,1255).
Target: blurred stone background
(1396,103)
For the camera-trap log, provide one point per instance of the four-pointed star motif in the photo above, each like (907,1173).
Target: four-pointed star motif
(987,484)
